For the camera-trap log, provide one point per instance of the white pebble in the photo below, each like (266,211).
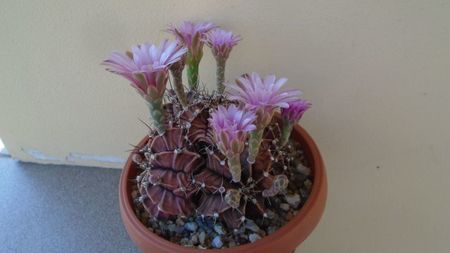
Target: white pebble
(254,237)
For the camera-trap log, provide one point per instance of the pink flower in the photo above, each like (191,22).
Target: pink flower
(295,110)
(261,94)
(186,32)
(191,35)
(146,67)
(231,125)
(221,42)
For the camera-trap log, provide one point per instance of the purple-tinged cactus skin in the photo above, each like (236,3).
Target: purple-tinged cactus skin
(263,96)
(147,68)
(231,126)
(165,185)
(291,116)
(192,35)
(221,42)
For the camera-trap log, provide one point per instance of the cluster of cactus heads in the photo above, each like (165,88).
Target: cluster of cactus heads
(221,155)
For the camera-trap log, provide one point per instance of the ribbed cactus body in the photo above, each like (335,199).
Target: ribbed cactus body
(186,174)
(166,185)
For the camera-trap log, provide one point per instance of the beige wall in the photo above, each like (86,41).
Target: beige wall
(377,73)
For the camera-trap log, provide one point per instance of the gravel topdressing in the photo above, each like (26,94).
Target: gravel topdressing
(208,233)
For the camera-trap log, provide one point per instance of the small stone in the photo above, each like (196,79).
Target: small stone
(303,169)
(253,237)
(304,193)
(145,215)
(172,227)
(180,221)
(134,194)
(191,226)
(270,214)
(239,231)
(308,184)
(217,242)
(231,244)
(271,230)
(185,242)
(194,238)
(293,200)
(219,229)
(143,220)
(251,225)
(154,224)
(202,237)
(285,206)
(179,229)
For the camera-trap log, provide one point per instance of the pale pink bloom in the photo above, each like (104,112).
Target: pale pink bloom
(295,110)
(231,124)
(147,66)
(191,35)
(261,94)
(186,32)
(221,42)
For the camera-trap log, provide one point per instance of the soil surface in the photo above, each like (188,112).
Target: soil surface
(209,233)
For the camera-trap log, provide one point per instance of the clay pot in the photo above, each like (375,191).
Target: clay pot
(284,240)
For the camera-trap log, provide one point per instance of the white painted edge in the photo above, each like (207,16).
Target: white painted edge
(73,157)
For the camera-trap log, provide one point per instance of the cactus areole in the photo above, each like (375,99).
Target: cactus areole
(217,170)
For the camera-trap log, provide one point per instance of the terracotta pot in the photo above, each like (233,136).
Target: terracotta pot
(284,240)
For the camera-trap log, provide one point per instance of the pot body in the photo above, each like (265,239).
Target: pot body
(284,240)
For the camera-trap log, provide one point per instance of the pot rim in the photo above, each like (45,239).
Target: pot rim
(319,184)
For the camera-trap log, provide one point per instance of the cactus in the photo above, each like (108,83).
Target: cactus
(185,173)
(221,156)
(165,184)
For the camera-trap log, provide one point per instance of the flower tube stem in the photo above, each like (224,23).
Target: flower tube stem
(192,74)
(234,164)
(253,144)
(157,114)
(220,75)
(286,132)
(178,86)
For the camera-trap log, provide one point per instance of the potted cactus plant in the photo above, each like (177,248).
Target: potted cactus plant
(229,169)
